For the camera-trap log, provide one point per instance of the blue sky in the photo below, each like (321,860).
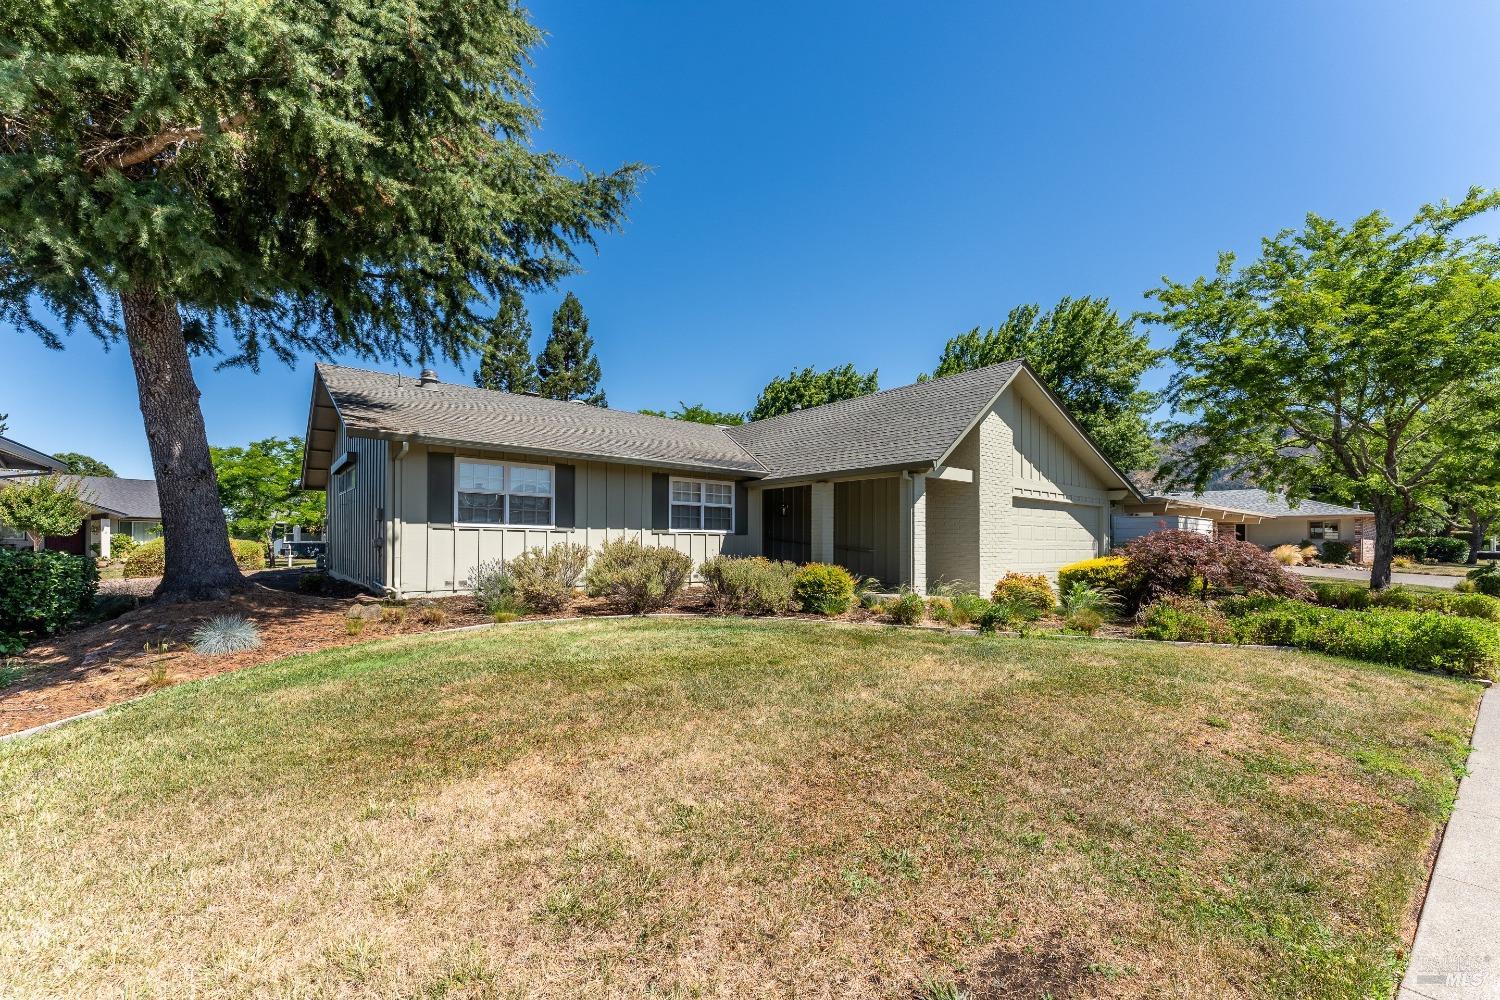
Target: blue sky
(858,182)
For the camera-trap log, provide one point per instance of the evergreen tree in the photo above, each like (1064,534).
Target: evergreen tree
(505,363)
(567,368)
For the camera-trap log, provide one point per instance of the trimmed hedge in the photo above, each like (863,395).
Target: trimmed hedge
(40,592)
(823,589)
(636,578)
(1104,571)
(150,558)
(1439,547)
(1428,640)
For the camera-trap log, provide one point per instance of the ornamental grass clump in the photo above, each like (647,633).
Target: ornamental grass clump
(907,608)
(225,634)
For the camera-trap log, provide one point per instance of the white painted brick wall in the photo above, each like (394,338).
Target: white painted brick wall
(994,477)
(953,521)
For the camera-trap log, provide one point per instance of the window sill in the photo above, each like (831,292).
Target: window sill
(696,531)
(507,527)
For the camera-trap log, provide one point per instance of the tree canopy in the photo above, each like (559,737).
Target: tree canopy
(41,506)
(329,178)
(798,390)
(505,363)
(259,487)
(1350,361)
(83,465)
(697,413)
(567,368)
(1085,353)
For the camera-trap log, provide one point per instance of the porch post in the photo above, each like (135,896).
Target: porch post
(104,537)
(822,522)
(914,531)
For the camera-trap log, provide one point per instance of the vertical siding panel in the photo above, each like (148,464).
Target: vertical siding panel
(614,501)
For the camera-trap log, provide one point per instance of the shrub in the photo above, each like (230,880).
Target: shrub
(906,609)
(749,586)
(1035,591)
(636,578)
(1411,548)
(311,583)
(1398,597)
(495,590)
(1288,555)
(1486,579)
(1468,647)
(225,634)
(1475,606)
(1337,552)
(1183,619)
(1010,612)
(40,592)
(545,580)
(1081,597)
(1342,595)
(1185,562)
(1085,620)
(1439,547)
(150,558)
(1465,587)
(823,589)
(1105,571)
(957,610)
(120,546)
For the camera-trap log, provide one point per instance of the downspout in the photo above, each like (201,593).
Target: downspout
(393,552)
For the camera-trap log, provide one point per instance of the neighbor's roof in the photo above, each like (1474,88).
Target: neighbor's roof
(913,427)
(15,455)
(129,498)
(1266,504)
(380,405)
(910,426)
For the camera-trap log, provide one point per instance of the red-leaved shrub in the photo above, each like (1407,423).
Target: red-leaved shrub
(1186,562)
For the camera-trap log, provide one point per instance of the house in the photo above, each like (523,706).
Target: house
(1251,515)
(15,456)
(115,507)
(962,478)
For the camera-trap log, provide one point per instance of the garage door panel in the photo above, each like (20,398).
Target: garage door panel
(1051,535)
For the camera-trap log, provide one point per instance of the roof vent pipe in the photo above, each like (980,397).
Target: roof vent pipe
(428,378)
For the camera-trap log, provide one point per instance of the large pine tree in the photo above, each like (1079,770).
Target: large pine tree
(567,368)
(505,361)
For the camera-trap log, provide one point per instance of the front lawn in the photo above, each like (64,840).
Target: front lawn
(724,808)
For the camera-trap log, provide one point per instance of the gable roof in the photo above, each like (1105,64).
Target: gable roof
(15,455)
(912,427)
(1267,504)
(128,498)
(374,404)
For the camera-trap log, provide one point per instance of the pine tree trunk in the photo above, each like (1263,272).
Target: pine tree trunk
(1385,544)
(200,565)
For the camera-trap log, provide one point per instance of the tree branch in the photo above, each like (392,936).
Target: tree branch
(158,143)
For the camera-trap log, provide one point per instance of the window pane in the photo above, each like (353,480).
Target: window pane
(686,517)
(718,493)
(686,492)
(530,510)
(531,480)
(718,518)
(480,477)
(480,508)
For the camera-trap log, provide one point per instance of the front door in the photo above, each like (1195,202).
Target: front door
(786,523)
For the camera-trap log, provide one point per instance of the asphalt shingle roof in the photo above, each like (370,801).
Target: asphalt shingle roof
(389,405)
(1254,501)
(912,425)
(130,498)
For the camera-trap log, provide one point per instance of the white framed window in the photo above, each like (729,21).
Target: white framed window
(1323,531)
(490,492)
(702,505)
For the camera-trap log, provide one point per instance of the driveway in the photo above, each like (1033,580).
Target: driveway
(1363,576)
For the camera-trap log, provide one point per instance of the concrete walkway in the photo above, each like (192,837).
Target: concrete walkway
(1457,952)
(1363,576)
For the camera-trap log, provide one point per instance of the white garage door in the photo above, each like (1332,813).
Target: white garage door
(1051,535)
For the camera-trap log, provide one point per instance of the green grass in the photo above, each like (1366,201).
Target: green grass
(1365,582)
(723,808)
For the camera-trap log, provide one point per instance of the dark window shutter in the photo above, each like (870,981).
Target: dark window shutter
(741,509)
(661,501)
(439,488)
(564,493)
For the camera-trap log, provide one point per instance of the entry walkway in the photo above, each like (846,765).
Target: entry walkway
(1363,576)
(1457,952)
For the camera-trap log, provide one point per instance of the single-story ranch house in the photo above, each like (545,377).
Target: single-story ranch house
(1251,515)
(962,478)
(115,506)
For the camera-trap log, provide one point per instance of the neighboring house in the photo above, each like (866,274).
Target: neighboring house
(1251,515)
(15,456)
(962,478)
(115,507)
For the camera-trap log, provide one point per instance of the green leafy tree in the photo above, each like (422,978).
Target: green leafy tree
(325,178)
(42,506)
(807,388)
(1347,361)
(1085,353)
(567,368)
(505,363)
(258,487)
(697,413)
(83,465)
